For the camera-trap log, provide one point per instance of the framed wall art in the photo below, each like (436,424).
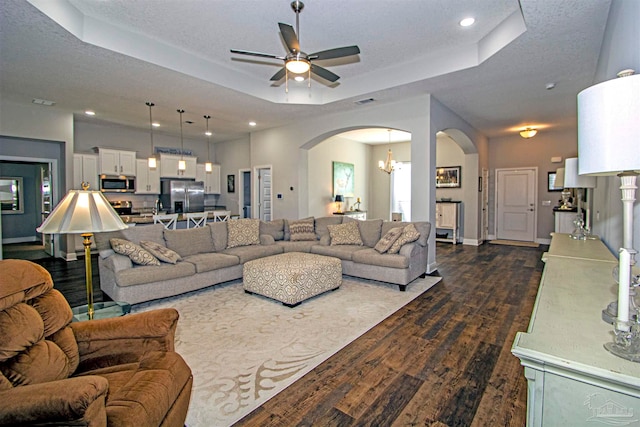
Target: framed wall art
(231,183)
(448,177)
(343,179)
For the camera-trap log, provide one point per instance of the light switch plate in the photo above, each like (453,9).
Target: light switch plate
(546,203)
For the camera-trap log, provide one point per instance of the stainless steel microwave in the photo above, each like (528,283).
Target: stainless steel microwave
(117,184)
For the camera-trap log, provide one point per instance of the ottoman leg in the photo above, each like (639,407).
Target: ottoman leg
(291,305)
(248,292)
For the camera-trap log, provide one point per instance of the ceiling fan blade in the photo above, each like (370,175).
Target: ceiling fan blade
(324,73)
(338,52)
(279,75)
(289,36)
(262,55)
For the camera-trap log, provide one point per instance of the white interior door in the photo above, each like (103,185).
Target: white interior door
(264,193)
(484,187)
(516,201)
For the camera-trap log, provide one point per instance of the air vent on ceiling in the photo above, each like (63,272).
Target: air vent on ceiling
(43,102)
(364,101)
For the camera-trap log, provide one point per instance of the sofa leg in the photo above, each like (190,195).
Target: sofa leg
(248,292)
(402,288)
(423,275)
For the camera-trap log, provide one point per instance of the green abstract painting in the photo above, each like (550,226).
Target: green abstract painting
(343,178)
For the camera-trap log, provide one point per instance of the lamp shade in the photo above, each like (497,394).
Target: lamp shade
(571,177)
(82,211)
(339,198)
(558,184)
(608,122)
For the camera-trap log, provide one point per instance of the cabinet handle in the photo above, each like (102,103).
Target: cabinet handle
(115,168)
(120,168)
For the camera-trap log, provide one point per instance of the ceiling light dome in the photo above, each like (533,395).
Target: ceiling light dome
(528,133)
(298,65)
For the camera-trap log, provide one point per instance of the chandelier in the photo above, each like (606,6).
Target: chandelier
(388,165)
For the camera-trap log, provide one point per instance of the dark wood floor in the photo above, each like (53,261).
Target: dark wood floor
(442,360)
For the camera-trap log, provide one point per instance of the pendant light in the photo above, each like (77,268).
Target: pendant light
(208,166)
(182,165)
(389,165)
(152,161)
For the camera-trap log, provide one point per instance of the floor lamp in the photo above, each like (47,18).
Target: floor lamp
(83,212)
(608,141)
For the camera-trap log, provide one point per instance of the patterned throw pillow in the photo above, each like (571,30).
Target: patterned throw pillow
(345,234)
(409,234)
(388,239)
(161,252)
(243,232)
(302,229)
(134,252)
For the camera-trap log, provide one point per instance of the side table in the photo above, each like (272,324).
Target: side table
(101,310)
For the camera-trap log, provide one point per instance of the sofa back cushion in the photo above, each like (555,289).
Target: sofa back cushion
(369,230)
(322,223)
(190,241)
(152,233)
(219,234)
(273,228)
(243,232)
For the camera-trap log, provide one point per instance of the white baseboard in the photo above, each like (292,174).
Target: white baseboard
(69,256)
(19,240)
(432,267)
(472,242)
(543,241)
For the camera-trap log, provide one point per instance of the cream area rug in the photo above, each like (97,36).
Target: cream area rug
(244,349)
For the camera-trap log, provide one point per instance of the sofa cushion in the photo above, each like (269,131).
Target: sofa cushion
(388,239)
(152,233)
(161,252)
(302,229)
(136,253)
(345,234)
(370,230)
(150,274)
(273,228)
(409,234)
(299,246)
(248,253)
(287,231)
(212,261)
(322,222)
(190,241)
(372,257)
(243,232)
(341,251)
(219,234)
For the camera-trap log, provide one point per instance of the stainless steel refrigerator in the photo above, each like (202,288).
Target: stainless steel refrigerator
(182,196)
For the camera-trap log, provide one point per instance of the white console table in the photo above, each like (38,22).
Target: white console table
(572,379)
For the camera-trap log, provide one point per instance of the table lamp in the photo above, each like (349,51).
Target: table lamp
(83,212)
(339,200)
(579,182)
(608,141)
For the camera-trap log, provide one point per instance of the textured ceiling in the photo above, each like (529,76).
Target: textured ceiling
(112,56)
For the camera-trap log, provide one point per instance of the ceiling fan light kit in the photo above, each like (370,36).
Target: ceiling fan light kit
(296,61)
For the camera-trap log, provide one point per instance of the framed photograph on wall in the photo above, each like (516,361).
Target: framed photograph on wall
(231,183)
(343,179)
(448,177)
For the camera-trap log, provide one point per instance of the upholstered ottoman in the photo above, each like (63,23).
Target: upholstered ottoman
(292,277)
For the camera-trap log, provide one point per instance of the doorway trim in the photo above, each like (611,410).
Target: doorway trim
(55,192)
(241,191)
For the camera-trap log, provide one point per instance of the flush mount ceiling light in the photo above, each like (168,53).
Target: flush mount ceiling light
(528,133)
(152,162)
(252,123)
(90,113)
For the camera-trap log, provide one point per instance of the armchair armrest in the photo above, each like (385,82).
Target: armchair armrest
(72,401)
(131,335)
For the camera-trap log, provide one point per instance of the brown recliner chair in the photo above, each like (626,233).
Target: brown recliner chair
(117,372)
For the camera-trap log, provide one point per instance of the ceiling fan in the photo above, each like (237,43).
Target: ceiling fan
(297,61)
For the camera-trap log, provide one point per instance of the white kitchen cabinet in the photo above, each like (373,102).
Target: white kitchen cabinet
(169,166)
(211,179)
(147,180)
(117,162)
(85,169)
(448,221)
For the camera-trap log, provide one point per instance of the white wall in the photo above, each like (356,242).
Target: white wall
(320,182)
(233,155)
(379,205)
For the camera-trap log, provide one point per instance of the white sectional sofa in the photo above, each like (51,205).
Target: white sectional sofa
(216,253)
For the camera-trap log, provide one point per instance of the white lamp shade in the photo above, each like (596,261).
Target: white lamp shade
(558,184)
(571,177)
(608,119)
(82,211)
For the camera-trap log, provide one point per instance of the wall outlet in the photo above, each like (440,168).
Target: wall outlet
(279,195)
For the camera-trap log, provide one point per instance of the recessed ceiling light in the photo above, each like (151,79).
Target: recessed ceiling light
(252,123)
(208,133)
(90,113)
(155,125)
(299,78)
(466,22)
